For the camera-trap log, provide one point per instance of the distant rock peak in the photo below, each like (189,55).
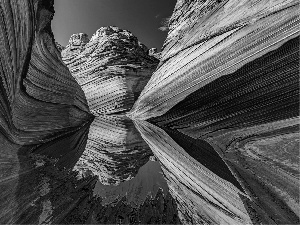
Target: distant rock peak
(113,31)
(79,39)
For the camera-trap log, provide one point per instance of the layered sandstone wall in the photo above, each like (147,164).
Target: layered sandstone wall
(211,39)
(39,96)
(112,68)
(228,77)
(41,104)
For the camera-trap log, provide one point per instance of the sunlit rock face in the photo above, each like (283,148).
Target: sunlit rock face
(228,78)
(211,39)
(113,61)
(247,116)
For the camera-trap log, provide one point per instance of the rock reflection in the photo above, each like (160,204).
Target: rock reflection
(146,183)
(114,151)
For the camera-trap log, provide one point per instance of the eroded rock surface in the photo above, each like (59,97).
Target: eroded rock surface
(211,39)
(41,105)
(243,115)
(202,196)
(39,97)
(228,77)
(112,68)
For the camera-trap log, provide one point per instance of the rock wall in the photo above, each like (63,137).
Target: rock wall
(39,97)
(41,104)
(228,78)
(211,39)
(112,68)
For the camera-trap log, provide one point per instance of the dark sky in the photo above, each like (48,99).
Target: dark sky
(141,17)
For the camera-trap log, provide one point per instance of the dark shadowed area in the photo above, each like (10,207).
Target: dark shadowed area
(141,17)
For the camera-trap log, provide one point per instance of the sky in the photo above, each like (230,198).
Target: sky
(141,17)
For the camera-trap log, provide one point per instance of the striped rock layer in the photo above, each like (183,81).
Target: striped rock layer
(43,111)
(211,39)
(112,68)
(225,95)
(39,97)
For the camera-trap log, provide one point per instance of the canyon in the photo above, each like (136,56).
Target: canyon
(216,112)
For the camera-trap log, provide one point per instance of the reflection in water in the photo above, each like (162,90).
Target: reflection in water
(114,151)
(203,195)
(146,183)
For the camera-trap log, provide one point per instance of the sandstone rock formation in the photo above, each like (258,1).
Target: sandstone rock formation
(112,69)
(41,105)
(202,196)
(228,77)
(225,92)
(211,39)
(39,97)
(113,61)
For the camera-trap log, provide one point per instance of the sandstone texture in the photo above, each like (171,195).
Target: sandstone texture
(202,196)
(211,39)
(41,105)
(228,77)
(112,68)
(39,97)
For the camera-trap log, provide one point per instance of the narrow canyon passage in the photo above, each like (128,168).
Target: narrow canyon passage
(106,131)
